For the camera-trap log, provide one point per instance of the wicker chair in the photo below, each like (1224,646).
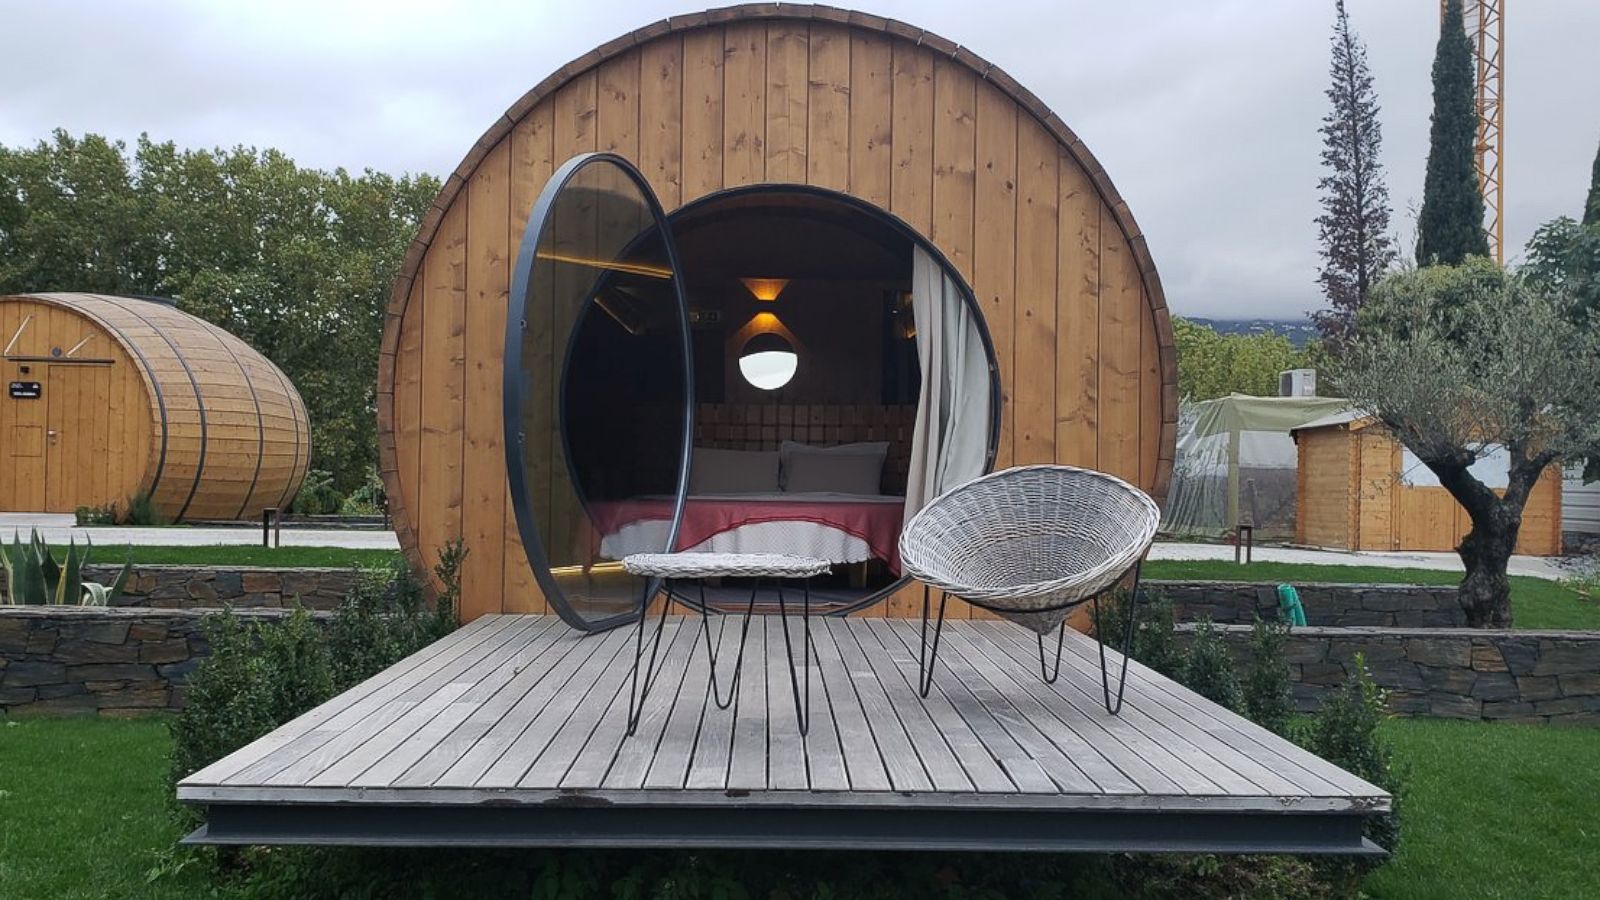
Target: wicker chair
(1029,544)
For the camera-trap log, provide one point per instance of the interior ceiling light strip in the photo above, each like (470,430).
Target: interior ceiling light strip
(611,265)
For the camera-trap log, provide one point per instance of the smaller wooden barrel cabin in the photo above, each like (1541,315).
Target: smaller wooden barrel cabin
(111,397)
(1360,489)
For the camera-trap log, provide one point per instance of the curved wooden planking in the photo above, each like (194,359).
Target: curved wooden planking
(220,430)
(909,121)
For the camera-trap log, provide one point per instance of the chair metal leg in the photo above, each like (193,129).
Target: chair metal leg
(926,657)
(636,693)
(712,652)
(1127,644)
(1050,675)
(802,708)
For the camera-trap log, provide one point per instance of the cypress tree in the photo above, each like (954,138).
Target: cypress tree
(1591,210)
(1451,225)
(1354,226)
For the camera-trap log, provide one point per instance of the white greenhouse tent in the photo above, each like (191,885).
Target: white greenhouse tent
(1236,465)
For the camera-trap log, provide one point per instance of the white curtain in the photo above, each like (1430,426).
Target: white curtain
(951,436)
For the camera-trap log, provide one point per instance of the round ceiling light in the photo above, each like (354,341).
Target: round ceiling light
(768,361)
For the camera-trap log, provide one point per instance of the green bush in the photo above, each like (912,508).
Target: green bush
(95,515)
(262,673)
(370,499)
(258,675)
(1344,731)
(143,513)
(1208,670)
(1267,698)
(1154,641)
(317,495)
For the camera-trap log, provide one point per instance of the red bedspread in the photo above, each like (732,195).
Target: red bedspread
(875,522)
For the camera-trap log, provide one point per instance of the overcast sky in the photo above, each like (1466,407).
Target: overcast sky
(1203,111)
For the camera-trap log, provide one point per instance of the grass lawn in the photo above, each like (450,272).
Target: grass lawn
(1493,811)
(247,555)
(1535,602)
(83,810)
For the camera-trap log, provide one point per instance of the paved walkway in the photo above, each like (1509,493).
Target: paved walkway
(56,529)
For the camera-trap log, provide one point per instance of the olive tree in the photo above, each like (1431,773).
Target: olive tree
(1460,360)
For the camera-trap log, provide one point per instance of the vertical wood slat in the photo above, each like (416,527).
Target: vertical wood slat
(444,291)
(1078,320)
(488,281)
(912,120)
(787,97)
(994,248)
(1035,313)
(661,111)
(871,123)
(1120,314)
(744,78)
(828,108)
(703,101)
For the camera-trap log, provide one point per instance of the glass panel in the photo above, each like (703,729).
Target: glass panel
(602,397)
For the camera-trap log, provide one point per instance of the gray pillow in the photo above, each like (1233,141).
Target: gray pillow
(845,469)
(713,471)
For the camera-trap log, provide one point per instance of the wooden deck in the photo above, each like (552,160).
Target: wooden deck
(511,731)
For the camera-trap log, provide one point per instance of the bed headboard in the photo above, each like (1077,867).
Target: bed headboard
(763,426)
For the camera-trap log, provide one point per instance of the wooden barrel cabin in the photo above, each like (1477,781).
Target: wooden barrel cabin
(762,277)
(109,398)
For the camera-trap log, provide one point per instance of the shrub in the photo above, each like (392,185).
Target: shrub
(317,495)
(259,675)
(369,499)
(95,515)
(143,513)
(1345,732)
(1207,668)
(1154,641)
(386,617)
(1267,698)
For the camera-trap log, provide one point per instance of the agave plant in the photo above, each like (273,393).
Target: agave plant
(34,578)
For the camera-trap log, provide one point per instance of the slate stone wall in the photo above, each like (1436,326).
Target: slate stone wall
(186,587)
(69,660)
(1382,605)
(1457,673)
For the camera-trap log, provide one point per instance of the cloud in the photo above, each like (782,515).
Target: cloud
(1204,114)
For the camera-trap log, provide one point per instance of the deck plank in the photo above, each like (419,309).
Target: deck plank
(436,653)
(971,751)
(521,712)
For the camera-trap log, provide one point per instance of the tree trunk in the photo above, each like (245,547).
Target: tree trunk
(1485,593)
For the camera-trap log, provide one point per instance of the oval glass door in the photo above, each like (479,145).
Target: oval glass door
(597,390)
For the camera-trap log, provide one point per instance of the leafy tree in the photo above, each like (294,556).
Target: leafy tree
(1451,225)
(1591,209)
(1212,365)
(1354,226)
(1459,360)
(297,262)
(1592,205)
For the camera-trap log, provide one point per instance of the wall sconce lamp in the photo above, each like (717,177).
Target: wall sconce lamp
(765,288)
(768,361)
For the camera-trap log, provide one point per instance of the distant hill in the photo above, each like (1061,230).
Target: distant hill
(1298,331)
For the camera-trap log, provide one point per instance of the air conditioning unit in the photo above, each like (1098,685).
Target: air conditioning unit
(1297,383)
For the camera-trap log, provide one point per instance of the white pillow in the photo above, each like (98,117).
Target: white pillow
(714,471)
(846,468)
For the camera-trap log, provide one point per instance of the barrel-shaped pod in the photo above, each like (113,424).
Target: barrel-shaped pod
(923,130)
(189,414)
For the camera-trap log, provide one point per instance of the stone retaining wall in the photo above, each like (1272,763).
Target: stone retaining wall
(66,660)
(185,587)
(1383,605)
(1458,673)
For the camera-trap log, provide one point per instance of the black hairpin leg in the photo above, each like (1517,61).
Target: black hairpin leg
(1127,644)
(926,656)
(1050,675)
(802,708)
(636,693)
(712,652)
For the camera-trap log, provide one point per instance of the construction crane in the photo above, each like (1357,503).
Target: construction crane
(1486,29)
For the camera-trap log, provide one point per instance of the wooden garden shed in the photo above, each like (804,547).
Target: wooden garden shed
(1360,489)
(797,176)
(110,397)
